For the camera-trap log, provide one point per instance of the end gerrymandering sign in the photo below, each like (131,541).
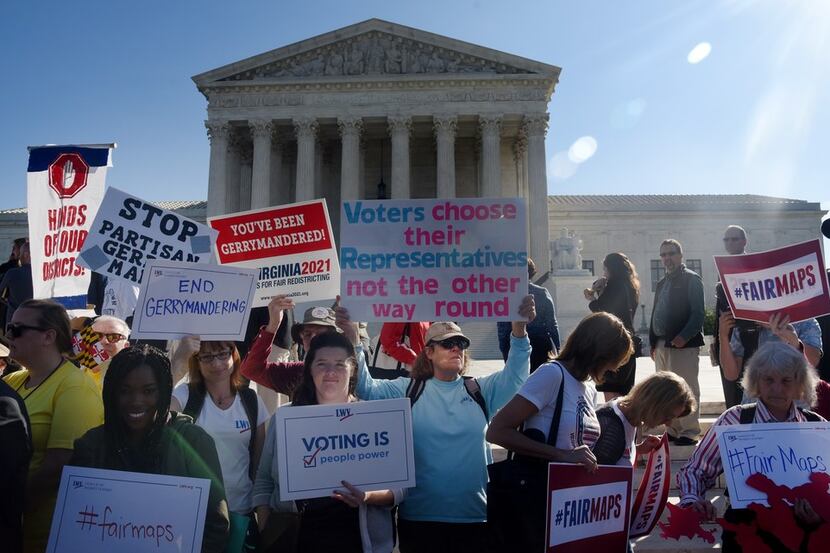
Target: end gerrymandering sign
(433,260)
(127,232)
(291,246)
(789,280)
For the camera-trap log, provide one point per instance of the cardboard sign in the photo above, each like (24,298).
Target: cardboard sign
(786,453)
(108,510)
(587,512)
(290,246)
(366,443)
(787,280)
(181,299)
(653,492)
(65,187)
(128,232)
(433,260)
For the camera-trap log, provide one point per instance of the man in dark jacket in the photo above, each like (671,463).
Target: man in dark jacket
(16,437)
(16,284)
(676,332)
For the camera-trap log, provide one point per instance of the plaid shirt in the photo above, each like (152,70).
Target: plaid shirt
(704,466)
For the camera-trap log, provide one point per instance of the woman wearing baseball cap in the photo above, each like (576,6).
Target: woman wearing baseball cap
(447,510)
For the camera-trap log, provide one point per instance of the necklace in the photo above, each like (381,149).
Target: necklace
(33,390)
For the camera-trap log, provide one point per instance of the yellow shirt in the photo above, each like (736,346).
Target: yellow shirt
(61,410)
(98,376)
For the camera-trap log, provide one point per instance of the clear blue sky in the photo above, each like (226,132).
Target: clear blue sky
(752,117)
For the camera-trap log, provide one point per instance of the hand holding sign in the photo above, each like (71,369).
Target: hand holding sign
(527,312)
(275,308)
(344,322)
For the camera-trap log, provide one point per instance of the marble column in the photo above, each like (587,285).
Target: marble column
(246,158)
(520,161)
(491,155)
(399,128)
(535,126)
(261,130)
(350,129)
(218,132)
(233,169)
(361,175)
(278,186)
(445,127)
(306,130)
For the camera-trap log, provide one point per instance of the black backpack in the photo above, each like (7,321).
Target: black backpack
(196,400)
(417,385)
(610,445)
(748,414)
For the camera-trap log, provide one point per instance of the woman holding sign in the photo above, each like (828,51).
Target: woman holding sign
(447,510)
(350,520)
(779,376)
(141,434)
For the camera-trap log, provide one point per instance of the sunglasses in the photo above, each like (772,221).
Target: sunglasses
(455,342)
(15,330)
(113,337)
(211,357)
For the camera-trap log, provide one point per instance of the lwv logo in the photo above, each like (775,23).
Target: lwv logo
(68,174)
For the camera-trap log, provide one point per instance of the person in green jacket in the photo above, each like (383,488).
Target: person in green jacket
(141,434)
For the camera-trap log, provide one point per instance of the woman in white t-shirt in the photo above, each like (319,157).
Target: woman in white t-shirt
(656,401)
(224,407)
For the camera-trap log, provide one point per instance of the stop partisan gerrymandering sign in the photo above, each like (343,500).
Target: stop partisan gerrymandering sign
(787,280)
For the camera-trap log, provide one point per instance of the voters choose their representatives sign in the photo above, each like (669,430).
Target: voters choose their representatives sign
(789,280)
(127,232)
(181,299)
(757,457)
(587,512)
(291,247)
(433,260)
(101,511)
(366,443)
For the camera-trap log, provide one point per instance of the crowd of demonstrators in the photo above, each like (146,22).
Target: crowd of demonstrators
(141,434)
(62,403)
(543,330)
(16,283)
(598,345)
(15,454)
(234,416)
(353,520)
(779,376)
(447,510)
(676,332)
(618,293)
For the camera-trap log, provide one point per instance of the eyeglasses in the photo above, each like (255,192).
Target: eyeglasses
(454,342)
(113,337)
(669,254)
(16,330)
(211,357)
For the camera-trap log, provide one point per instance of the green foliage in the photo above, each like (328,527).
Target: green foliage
(709,322)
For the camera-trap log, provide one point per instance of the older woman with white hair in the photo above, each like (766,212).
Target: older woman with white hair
(779,376)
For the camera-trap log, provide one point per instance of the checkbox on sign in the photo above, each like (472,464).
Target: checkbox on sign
(310,461)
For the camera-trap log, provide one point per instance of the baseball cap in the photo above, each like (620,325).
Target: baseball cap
(322,316)
(442,331)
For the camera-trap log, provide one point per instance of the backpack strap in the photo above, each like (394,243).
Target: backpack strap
(748,413)
(415,389)
(249,402)
(557,411)
(195,400)
(811,416)
(474,391)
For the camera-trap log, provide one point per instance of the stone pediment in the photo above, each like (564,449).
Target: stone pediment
(374,48)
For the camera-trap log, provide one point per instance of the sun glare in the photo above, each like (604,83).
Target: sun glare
(699,53)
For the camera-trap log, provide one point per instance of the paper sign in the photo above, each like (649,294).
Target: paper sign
(290,246)
(127,232)
(787,280)
(653,491)
(433,260)
(65,187)
(786,453)
(587,512)
(366,443)
(182,299)
(100,511)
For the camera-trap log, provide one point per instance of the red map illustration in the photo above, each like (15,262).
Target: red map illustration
(684,521)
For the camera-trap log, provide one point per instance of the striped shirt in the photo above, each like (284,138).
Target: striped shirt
(704,466)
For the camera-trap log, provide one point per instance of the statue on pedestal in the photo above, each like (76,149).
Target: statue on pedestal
(566,252)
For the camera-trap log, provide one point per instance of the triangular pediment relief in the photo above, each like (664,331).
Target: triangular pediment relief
(375,48)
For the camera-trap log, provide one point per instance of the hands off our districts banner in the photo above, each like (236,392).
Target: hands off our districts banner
(788,280)
(653,492)
(65,185)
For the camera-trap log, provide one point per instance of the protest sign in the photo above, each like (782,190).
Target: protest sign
(366,443)
(65,187)
(100,511)
(428,260)
(129,231)
(291,247)
(786,453)
(587,512)
(181,299)
(787,280)
(653,491)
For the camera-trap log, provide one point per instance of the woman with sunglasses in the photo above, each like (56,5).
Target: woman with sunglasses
(447,510)
(62,402)
(225,407)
